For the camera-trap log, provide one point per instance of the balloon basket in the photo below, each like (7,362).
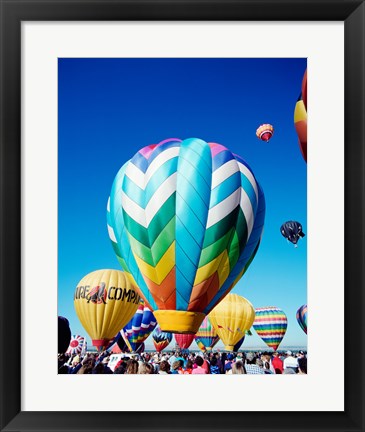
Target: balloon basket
(183,322)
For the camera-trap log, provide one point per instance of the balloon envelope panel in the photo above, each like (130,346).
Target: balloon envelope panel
(184,218)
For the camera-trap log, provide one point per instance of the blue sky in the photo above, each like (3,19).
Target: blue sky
(109,108)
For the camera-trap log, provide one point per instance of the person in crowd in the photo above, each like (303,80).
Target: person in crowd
(302,366)
(132,367)
(146,368)
(199,363)
(214,368)
(188,368)
(164,368)
(228,363)
(251,366)
(238,368)
(176,366)
(290,362)
(206,365)
(277,363)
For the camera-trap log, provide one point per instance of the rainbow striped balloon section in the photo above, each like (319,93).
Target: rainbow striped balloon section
(140,326)
(270,324)
(206,337)
(302,314)
(185,219)
(161,339)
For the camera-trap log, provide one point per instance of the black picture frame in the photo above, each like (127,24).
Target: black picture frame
(13,12)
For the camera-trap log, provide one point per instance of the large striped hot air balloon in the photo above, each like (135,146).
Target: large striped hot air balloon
(302,314)
(184,340)
(105,300)
(231,318)
(206,337)
(185,219)
(270,324)
(140,326)
(300,118)
(161,339)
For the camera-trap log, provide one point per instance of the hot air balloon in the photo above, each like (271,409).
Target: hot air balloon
(270,324)
(184,340)
(300,118)
(161,339)
(64,334)
(76,345)
(302,313)
(206,337)
(238,344)
(185,219)
(292,231)
(105,301)
(231,318)
(140,326)
(265,132)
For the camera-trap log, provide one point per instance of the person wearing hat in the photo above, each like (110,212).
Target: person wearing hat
(290,362)
(175,367)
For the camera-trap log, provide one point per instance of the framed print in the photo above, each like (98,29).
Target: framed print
(156,180)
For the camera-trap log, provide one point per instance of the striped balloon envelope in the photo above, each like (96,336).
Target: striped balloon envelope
(161,339)
(140,326)
(185,220)
(206,337)
(300,118)
(76,345)
(270,324)
(302,314)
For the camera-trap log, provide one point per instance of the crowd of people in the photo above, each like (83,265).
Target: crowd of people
(186,363)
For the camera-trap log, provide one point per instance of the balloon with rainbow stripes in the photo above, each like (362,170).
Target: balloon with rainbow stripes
(185,219)
(270,324)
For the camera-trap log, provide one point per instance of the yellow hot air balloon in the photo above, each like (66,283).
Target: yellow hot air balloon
(105,301)
(231,318)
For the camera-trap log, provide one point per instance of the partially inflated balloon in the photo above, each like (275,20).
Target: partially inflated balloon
(292,231)
(184,340)
(185,219)
(206,337)
(77,344)
(64,334)
(231,318)
(161,339)
(105,300)
(300,118)
(270,324)
(140,326)
(265,132)
(302,314)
